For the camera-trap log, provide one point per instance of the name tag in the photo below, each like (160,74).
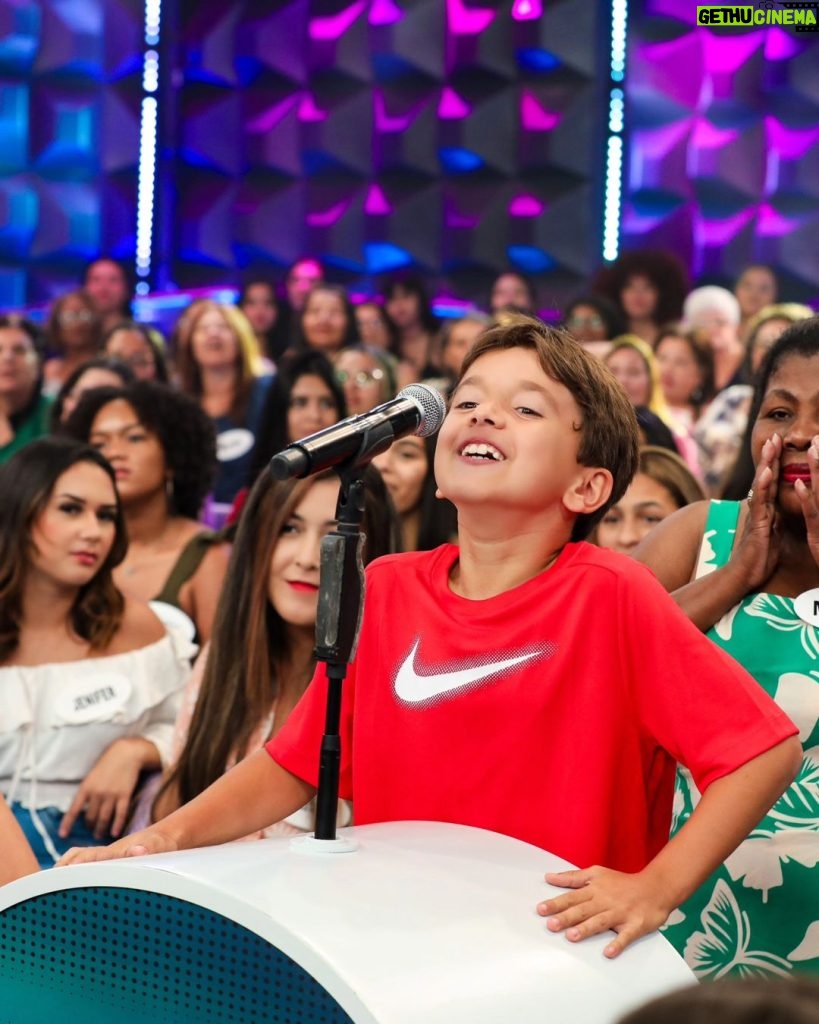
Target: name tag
(806,606)
(233,444)
(96,697)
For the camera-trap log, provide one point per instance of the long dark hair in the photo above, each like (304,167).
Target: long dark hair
(27,481)
(242,679)
(271,436)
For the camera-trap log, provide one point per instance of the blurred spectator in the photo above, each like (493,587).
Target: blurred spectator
(663,483)
(747,1000)
(686,367)
(133,345)
(458,338)
(219,365)
(647,287)
(633,363)
(712,313)
(24,410)
(257,300)
(764,328)
(327,322)
(514,291)
(375,328)
(367,376)
(755,288)
(407,302)
(101,372)
(302,276)
(73,335)
(108,286)
(594,321)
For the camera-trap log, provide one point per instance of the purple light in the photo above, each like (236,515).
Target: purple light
(534,118)
(336,25)
(780,45)
(708,136)
(452,107)
(790,143)
(527,10)
(326,218)
(455,219)
(526,206)
(268,119)
(386,122)
(376,202)
(726,55)
(720,232)
(466,21)
(308,111)
(774,224)
(385,12)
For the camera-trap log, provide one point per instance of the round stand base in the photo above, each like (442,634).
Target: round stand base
(322,847)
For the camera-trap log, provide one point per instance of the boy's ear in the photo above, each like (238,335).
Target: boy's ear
(590,489)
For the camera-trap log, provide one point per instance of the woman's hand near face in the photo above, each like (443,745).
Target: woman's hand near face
(809,499)
(756,551)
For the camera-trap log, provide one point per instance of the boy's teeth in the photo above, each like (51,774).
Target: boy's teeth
(484,451)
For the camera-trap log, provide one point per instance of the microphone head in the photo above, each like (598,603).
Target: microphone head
(432,405)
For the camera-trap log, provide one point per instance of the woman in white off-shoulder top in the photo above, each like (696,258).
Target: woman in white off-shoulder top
(90,682)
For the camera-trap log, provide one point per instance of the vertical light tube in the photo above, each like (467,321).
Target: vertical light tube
(148,123)
(613,194)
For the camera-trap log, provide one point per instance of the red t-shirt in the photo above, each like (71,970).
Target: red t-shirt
(553,713)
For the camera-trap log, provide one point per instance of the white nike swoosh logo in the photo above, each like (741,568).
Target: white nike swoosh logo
(417,689)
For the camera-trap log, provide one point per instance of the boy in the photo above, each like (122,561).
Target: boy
(527,684)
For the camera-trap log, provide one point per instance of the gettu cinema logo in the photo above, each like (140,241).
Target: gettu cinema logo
(802,17)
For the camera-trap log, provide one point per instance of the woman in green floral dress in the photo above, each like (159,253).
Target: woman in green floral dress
(748,575)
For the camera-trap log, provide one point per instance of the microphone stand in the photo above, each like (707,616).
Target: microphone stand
(338,620)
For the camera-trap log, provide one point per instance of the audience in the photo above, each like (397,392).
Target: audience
(107,284)
(100,372)
(458,338)
(327,322)
(712,314)
(647,287)
(407,302)
(162,449)
(24,410)
(594,321)
(686,367)
(73,335)
(375,328)
(89,680)
(744,1000)
(512,290)
(755,288)
(257,300)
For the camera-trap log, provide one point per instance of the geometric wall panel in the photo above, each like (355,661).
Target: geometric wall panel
(69,134)
(723,146)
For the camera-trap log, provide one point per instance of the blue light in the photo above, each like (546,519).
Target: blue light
(459,161)
(381,257)
(537,60)
(530,259)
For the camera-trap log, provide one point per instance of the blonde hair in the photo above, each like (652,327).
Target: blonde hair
(656,399)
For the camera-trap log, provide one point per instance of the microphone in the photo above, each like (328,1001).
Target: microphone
(417,409)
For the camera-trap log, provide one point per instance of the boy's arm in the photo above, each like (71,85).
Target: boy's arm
(634,904)
(251,796)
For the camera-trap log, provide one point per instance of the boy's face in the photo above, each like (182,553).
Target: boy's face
(509,437)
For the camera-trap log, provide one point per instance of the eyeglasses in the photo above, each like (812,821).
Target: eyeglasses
(361,378)
(71,316)
(585,321)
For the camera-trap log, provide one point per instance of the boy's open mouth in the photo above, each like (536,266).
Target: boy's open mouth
(483,451)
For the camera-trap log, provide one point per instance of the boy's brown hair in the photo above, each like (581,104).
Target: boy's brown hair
(609,437)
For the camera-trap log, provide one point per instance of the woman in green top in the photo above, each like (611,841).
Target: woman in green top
(24,410)
(748,574)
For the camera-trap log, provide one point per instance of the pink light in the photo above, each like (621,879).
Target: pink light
(376,202)
(527,10)
(724,55)
(308,111)
(780,45)
(526,206)
(386,122)
(534,118)
(790,143)
(774,224)
(326,218)
(708,136)
(337,24)
(452,107)
(720,232)
(467,21)
(268,119)
(385,12)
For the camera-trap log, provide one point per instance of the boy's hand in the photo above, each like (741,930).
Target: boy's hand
(605,900)
(151,840)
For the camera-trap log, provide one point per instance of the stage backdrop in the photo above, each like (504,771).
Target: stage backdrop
(724,144)
(445,134)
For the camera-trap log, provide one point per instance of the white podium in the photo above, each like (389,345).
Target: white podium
(424,922)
